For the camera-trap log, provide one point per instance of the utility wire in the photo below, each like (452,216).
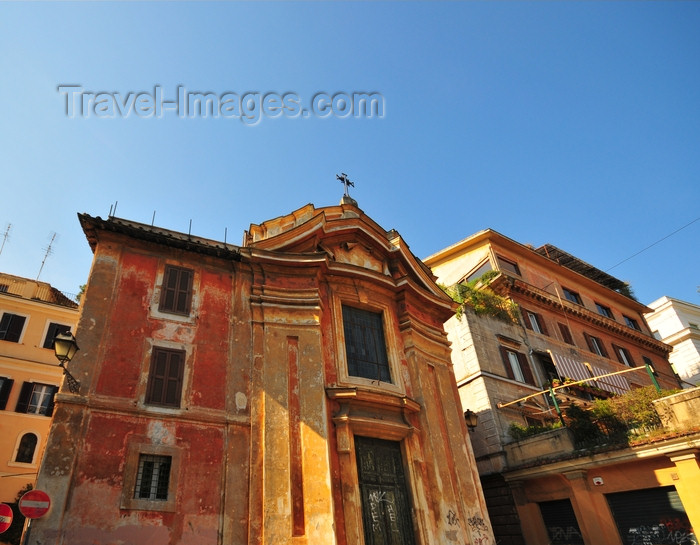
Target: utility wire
(653,244)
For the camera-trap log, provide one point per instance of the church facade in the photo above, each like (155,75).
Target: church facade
(295,389)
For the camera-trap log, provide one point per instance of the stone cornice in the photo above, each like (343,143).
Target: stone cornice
(506,286)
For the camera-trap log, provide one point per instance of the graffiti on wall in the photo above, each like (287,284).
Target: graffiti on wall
(479,530)
(564,535)
(666,532)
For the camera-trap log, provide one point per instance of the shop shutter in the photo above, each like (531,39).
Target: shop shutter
(652,515)
(561,523)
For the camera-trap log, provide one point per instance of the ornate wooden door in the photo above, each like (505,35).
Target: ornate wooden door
(386,514)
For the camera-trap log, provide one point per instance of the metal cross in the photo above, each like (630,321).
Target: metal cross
(345,181)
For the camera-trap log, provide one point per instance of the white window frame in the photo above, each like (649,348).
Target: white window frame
(533,322)
(596,346)
(515,366)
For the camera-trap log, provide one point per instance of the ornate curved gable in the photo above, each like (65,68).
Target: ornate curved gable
(348,237)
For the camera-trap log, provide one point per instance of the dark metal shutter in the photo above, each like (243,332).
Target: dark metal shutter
(654,515)
(561,523)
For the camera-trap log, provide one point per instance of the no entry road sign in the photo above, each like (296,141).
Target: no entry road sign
(34,504)
(5,517)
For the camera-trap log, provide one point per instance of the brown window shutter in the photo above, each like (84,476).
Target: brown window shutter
(525,368)
(543,326)
(602,348)
(165,377)
(176,291)
(506,363)
(526,318)
(566,333)
(616,349)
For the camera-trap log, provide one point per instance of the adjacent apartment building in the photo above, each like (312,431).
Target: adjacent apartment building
(296,389)
(677,323)
(31,314)
(555,318)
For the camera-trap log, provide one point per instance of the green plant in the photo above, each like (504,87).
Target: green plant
(635,408)
(518,432)
(477,295)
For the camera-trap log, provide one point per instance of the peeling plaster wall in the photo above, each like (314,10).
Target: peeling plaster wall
(260,454)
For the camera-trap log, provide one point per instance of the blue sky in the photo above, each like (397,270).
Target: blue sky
(576,124)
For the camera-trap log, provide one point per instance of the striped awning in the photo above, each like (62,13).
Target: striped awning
(617,384)
(569,367)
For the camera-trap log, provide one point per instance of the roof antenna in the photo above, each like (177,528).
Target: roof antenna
(113,209)
(153,219)
(225,233)
(189,233)
(49,251)
(5,236)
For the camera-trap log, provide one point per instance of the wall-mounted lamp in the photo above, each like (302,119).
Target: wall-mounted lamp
(65,347)
(471,418)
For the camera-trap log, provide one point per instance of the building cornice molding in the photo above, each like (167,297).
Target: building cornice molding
(506,285)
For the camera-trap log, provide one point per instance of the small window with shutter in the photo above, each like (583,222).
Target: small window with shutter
(11,326)
(534,321)
(176,292)
(517,367)
(566,333)
(165,377)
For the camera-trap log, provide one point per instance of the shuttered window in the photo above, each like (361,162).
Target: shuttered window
(517,367)
(11,326)
(623,356)
(36,398)
(176,293)
(54,329)
(5,389)
(566,333)
(165,377)
(534,321)
(596,345)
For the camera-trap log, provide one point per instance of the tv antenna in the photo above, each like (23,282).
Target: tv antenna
(49,251)
(5,236)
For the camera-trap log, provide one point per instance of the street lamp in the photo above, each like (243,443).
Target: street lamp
(65,347)
(471,418)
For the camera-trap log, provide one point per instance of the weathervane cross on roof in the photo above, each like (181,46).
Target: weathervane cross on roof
(345,181)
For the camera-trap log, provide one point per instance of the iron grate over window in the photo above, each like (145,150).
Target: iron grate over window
(365,344)
(153,477)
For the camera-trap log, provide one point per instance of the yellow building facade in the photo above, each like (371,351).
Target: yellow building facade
(31,314)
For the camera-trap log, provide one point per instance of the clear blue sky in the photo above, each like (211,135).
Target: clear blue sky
(576,124)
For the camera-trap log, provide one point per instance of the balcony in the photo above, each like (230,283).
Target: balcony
(640,417)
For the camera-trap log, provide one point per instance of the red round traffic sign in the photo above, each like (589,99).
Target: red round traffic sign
(5,517)
(34,504)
